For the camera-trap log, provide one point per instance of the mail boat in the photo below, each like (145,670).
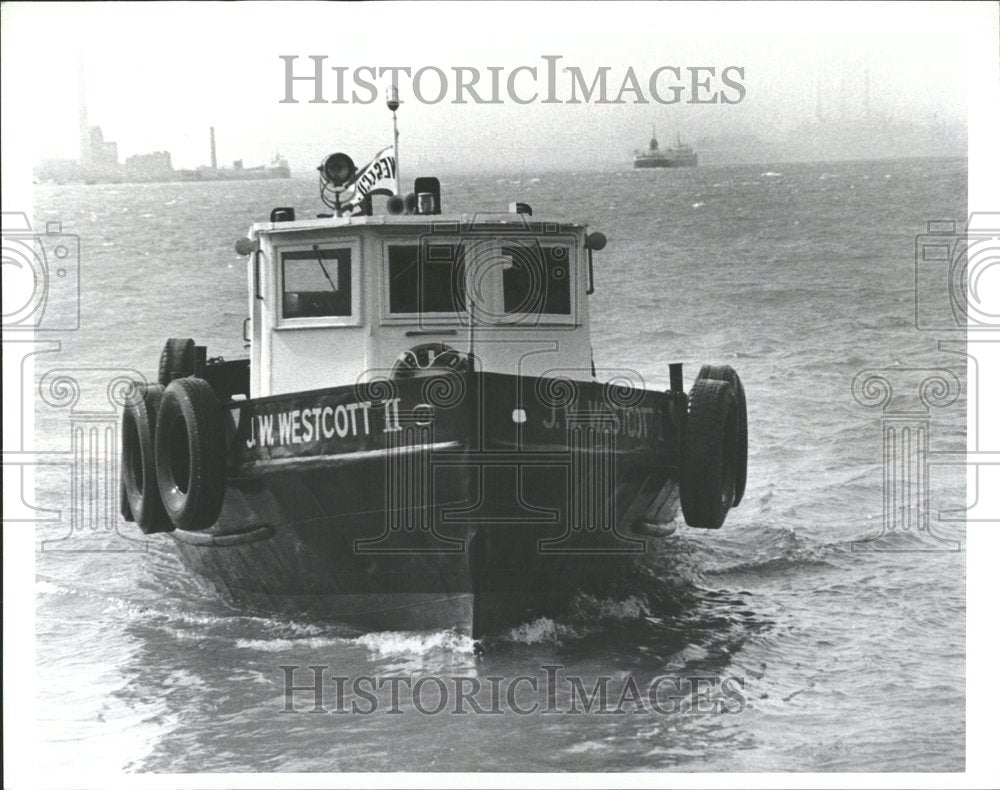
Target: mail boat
(419,437)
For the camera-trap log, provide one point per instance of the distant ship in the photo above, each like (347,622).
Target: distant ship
(680,155)
(277,169)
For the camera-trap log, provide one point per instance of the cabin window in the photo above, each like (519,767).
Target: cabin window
(536,279)
(426,278)
(316,283)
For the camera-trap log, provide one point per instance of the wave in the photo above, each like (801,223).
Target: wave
(775,566)
(416,642)
(378,644)
(542,630)
(655,336)
(285,645)
(899,540)
(769,551)
(265,634)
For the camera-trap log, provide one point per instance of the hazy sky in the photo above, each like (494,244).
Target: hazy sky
(158,75)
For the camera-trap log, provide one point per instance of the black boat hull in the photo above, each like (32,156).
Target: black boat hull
(645,164)
(455,501)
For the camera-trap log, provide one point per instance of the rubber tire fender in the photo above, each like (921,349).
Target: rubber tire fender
(176,359)
(191,454)
(708,474)
(727,373)
(139,490)
(123,506)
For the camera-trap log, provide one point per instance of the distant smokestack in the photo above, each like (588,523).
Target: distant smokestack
(211,140)
(868,109)
(819,102)
(86,156)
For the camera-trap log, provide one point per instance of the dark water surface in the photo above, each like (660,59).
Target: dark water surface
(849,659)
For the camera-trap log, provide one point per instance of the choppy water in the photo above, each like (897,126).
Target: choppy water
(799,275)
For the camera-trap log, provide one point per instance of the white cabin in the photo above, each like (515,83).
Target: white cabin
(339,300)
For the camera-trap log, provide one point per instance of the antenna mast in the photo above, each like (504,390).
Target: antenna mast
(392,102)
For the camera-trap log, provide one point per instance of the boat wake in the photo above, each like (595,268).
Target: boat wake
(686,602)
(392,643)
(377,644)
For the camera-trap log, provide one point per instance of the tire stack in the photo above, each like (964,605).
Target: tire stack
(173,462)
(714,458)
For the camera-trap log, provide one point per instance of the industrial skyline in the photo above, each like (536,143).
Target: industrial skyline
(98,159)
(146,99)
(852,131)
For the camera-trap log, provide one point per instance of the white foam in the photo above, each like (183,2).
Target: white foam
(544,629)
(415,642)
(45,587)
(631,608)
(283,645)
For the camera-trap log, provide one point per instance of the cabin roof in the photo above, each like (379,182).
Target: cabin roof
(479,220)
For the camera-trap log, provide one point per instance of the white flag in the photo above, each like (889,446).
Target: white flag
(378,177)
